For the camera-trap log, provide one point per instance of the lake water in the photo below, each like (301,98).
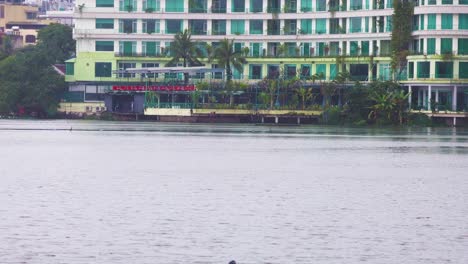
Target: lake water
(110,192)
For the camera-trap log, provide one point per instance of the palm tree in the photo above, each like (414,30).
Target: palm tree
(183,48)
(228,58)
(305,94)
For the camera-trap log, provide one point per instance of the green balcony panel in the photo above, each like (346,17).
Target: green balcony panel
(238,6)
(321,26)
(306,26)
(151,5)
(424,69)
(174,5)
(256,27)
(238,27)
(447,21)
(463,70)
(104,3)
(445,45)
(463,21)
(463,46)
(431,21)
(444,69)
(256,6)
(365,48)
(431,46)
(306,5)
(128,5)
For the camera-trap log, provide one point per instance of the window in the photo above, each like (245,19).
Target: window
(290,26)
(291,49)
(432,2)
(431,21)
(321,68)
(93,93)
(354,48)
(198,27)
(237,27)
(103,69)
(151,26)
(424,69)
(334,25)
(198,6)
(238,47)
(273,6)
(389,25)
(104,3)
(255,72)
(463,46)
(463,21)
(218,27)
(355,24)
(447,21)
(30,39)
(410,70)
(306,26)
(238,5)
(173,26)
(290,71)
(273,27)
(447,2)
(150,65)
(321,5)
(356,5)
(256,6)
(321,26)
(444,69)
(69,68)
(445,45)
(124,66)
(127,5)
(256,26)
(31,15)
(463,2)
(151,5)
(2,11)
(104,45)
(463,70)
(365,48)
(174,5)
(306,5)
(359,72)
(431,43)
(104,23)
(218,6)
(127,48)
(333,71)
(127,26)
(150,48)
(290,6)
(256,49)
(421,23)
(306,49)
(334,48)
(305,71)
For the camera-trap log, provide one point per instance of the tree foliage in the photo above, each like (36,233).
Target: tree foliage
(56,40)
(183,48)
(228,58)
(401,33)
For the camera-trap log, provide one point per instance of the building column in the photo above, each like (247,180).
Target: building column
(209,3)
(429,95)
(409,97)
(454,98)
(265,5)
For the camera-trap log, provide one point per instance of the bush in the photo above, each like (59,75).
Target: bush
(419,119)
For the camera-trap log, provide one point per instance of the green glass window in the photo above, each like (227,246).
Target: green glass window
(150,48)
(305,49)
(367,4)
(198,6)
(236,74)
(334,48)
(366,24)
(321,68)
(410,70)
(463,21)
(321,26)
(432,2)
(463,70)
(333,71)
(445,45)
(447,21)
(356,4)
(104,23)
(306,26)
(238,5)
(421,22)
(127,5)
(198,26)
(290,71)
(320,48)
(69,68)
(237,27)
(256,49)
(151,5)
(103,69)
(174,26)
(291,49)
(431,46)
(174,5)
(388,27)
(463,46)
(389,3)
(421,45)
(463,2)
(127,25)
(127,48)
(256,6)
(365,48)
(238,46)
(354,48)
(104,3)
(306,5)
(355,24)
(218,27)
(431,21)
(444,69)
(104,45)
(447,2)
(424,69)
(256,26)
(305,71)
(151,26)
(321,5)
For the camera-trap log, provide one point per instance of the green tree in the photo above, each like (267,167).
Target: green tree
(56,40)
(403,11)
(228,58)
(183,48)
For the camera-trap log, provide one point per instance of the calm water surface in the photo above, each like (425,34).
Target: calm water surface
(103,192)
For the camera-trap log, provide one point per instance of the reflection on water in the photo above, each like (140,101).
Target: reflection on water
(110,192)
